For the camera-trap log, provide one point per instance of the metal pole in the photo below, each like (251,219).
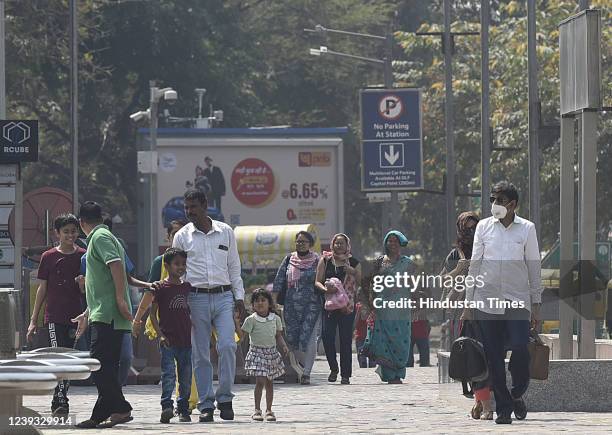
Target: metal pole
(18,183)
(74,103)
(393,217)
(534,118)
(3,64)
(485,129)
(566,239)
(153,180)
(449,126)
(588,196)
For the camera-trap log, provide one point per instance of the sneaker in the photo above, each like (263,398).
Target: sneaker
(257,415)
(206,416)
(166,415)
(345,381)
(520,409)
(185,418)
(305,380)
(270,416)
(503,419)
(333,376)
(226,411)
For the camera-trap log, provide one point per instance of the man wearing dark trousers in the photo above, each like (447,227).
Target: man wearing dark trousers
(217,183)
(506,266)
(109,315)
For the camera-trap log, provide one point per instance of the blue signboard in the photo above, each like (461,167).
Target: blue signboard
(392,145)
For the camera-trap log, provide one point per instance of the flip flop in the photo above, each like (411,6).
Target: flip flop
(111,423)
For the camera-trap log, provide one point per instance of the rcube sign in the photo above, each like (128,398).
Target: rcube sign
(18,141)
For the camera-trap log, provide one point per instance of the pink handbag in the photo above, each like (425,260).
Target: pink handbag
(338,300)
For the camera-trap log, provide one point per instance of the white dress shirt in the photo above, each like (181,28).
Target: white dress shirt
(508,261)
(212,259)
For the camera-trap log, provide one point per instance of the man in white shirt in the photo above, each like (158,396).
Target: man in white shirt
(213,270)
(506,267)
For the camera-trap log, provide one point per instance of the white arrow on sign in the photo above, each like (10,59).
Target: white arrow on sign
(392,156)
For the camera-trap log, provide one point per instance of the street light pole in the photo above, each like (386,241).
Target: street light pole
(485,129)
(154,104)
(393,217)
(534,118)
(390,214)
(449,126)
(74,104)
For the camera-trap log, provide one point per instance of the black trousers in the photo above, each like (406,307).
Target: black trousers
(500,332)
(61,336)
(332,321)
(106,347)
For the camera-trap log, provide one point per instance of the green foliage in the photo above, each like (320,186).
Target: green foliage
(252,56)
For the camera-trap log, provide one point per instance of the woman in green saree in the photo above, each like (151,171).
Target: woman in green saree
(388,339)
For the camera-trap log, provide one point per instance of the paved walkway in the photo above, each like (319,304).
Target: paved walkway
(365,406)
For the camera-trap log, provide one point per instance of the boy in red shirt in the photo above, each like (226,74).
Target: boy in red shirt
(57,272)
(174,332)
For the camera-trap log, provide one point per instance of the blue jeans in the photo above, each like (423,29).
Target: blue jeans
(182,356)
(499,331)
(125,360)
(208,310)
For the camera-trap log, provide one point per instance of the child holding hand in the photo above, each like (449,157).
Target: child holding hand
(174,332)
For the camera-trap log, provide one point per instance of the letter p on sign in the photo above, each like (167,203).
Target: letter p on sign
(390,107)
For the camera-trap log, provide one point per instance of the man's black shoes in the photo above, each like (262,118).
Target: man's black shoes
(206,416)
(520,409)
(503,419)
(226,411)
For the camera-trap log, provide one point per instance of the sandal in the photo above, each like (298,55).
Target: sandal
(270,416)
(476,411)
(257,415)
(487,415)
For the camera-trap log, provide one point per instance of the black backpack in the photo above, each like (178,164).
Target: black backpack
(468,362)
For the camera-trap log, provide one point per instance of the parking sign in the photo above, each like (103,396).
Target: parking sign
(391,146)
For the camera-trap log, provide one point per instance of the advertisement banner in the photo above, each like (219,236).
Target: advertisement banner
(254,181)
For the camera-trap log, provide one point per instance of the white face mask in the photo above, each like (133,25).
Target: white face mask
(498,211)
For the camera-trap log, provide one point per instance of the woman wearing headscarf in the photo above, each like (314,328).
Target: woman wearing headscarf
(340,264)
(303,304)
(388,340)
(457,263)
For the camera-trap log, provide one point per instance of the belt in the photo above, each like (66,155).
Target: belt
(218,289)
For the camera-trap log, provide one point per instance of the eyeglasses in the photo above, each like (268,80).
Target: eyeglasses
(499,200)
(301,242)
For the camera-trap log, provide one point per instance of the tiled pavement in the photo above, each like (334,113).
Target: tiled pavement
(419,405)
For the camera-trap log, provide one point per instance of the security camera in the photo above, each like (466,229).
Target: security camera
(138,116)
(170,96)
